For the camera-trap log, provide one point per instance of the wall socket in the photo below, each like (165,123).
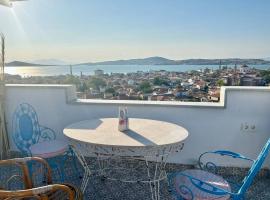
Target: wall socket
(248,127)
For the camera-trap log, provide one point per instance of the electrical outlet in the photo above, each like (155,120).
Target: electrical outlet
(252,127)
(244,126)
(247,127)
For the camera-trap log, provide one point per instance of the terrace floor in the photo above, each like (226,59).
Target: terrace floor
(99,189)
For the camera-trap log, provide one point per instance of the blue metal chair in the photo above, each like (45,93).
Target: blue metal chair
(32,139)
(200,184)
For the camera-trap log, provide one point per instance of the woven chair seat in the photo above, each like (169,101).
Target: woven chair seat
(59,194)
(56,195)
(46,190)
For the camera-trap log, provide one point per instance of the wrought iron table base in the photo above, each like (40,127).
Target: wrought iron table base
(154,173)
(154,166)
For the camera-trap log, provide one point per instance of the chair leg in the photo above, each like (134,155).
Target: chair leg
(30,169)
(63,160)
(238,197)
(56,163)
(74,159)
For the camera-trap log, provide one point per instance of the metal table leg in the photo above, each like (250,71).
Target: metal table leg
(87,171)
(157,175)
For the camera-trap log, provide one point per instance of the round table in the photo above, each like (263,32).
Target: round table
(150,140)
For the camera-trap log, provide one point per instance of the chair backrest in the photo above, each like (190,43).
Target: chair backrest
(20,177)
(255,168)
(25,127)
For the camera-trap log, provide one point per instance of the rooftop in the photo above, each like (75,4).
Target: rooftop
(211,126)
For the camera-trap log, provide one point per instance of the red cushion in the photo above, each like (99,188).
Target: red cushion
(49,149)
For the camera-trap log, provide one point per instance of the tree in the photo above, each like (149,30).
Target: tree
(83,87)
(145,87)
(70,79)
(206,88)
(220,82)
(265,75)
(96,83)
(267,78)
(159,81)
(110,90)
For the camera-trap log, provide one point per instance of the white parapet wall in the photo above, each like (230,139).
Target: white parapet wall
(211,126)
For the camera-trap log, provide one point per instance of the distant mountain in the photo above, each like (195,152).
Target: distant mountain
(268,59)
(165,61)
(139,61)
(228,61)
(151,61)
(22,64)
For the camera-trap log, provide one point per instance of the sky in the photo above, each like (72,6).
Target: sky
(98,30)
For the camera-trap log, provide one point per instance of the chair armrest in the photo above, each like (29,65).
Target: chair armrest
(46,134)
(37,191)
(22,162)
(200,185)
(221,153)
(231,154)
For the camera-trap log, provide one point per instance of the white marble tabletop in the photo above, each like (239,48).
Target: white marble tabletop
(141,133)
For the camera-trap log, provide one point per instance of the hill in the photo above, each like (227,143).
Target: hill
(139,61)
(228,61)
(23,64)
(159,61)
(165,61)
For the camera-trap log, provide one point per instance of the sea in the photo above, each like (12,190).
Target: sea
(89,69)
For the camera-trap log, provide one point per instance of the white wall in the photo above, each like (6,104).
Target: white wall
(211,125)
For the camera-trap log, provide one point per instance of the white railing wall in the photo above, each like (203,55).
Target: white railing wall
(211,125)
